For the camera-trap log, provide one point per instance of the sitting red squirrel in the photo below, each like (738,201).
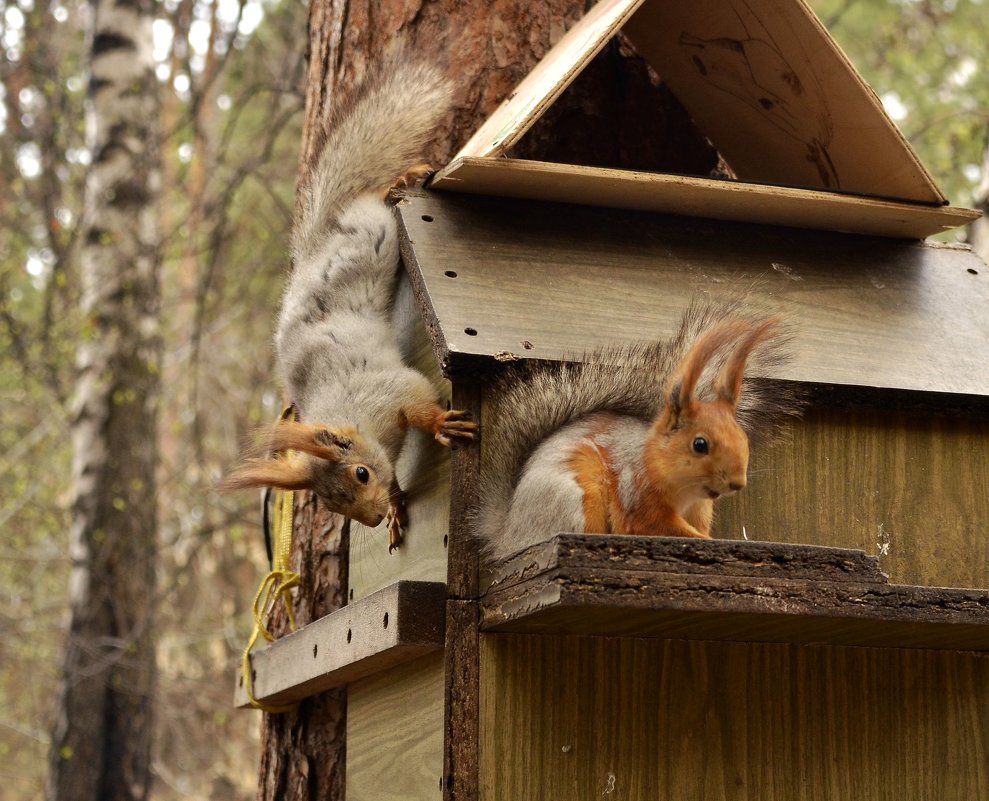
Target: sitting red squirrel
(635,440)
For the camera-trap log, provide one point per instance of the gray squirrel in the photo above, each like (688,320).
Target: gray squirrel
(638,439)
(337,351)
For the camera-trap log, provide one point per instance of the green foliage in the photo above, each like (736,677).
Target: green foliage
(230,149)
(927,60)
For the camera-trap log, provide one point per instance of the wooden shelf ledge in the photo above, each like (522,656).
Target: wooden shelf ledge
(397,624)
(724,590)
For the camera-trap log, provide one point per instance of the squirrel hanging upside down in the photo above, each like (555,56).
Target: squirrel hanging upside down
(336,348)
(633,440)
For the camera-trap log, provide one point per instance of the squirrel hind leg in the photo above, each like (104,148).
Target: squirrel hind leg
(409,178)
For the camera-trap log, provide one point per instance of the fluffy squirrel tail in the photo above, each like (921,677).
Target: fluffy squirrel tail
(372,141)
(533,402)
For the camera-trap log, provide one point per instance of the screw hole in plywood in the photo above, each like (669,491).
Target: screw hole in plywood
(427,217)
(349,635)
(973,271)
(384,621)
(315,649)
(526,344)
(450,273)
(446,539)
(471,332)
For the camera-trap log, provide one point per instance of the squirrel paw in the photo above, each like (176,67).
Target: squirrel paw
(396,519)
(453,423)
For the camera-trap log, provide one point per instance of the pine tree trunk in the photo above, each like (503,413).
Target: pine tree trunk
(101,738)
(488,48)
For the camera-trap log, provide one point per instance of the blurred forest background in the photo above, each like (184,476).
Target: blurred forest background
(232,76)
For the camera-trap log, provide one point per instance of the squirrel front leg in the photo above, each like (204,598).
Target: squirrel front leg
(397,517)
(441,423)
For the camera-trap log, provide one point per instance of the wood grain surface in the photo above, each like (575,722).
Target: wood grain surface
(395,734)
(651,720)
(506,280)
(908,488)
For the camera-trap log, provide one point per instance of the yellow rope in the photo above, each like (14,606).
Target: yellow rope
(277,584)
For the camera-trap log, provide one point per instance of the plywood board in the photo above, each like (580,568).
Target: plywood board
(722,590)
(395,734)
(700,197)
(397,624)
(508,280)
(777,97)
(907,488)
(656,720)
(423,470)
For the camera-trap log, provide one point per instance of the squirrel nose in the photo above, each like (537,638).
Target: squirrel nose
(735,486)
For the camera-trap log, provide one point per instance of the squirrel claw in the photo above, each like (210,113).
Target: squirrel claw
(396,519)
(454,423)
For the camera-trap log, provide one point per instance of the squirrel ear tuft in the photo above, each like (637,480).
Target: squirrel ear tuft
(729,383)
(288,474)
(326,443)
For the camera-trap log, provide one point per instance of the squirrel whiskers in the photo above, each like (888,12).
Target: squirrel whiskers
(336,347)
(633,440)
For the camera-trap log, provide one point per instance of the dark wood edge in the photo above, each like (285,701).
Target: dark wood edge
(461,746)
(410,260)
(462,546)
(396,624)
(682,556)
(623,586)
(477,367)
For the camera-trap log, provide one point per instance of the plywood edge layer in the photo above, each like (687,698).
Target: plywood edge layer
(394,625)
(699,197)
(725,590)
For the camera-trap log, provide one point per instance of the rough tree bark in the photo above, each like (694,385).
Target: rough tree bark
(101,738)
(616,114)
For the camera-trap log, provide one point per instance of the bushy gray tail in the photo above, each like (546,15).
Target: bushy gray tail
(373,139)
(541,397)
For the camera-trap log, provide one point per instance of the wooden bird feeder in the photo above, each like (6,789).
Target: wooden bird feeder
(830,642)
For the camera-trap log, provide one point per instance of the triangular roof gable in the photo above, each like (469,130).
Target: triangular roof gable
(764,81)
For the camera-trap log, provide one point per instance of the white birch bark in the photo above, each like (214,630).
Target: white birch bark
(101,737)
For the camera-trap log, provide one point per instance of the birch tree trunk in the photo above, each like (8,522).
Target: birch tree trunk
(616,114)
(101,739)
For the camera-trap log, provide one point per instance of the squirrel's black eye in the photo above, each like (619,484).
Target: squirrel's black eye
(700,445)
(362,475)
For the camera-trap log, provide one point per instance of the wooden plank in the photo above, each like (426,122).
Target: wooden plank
(910,488)
(460,724)
(423,470)
(724,590)
(462,569)
(508,280)
(395,734)
(394,625)
(666,720)
(700,197)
